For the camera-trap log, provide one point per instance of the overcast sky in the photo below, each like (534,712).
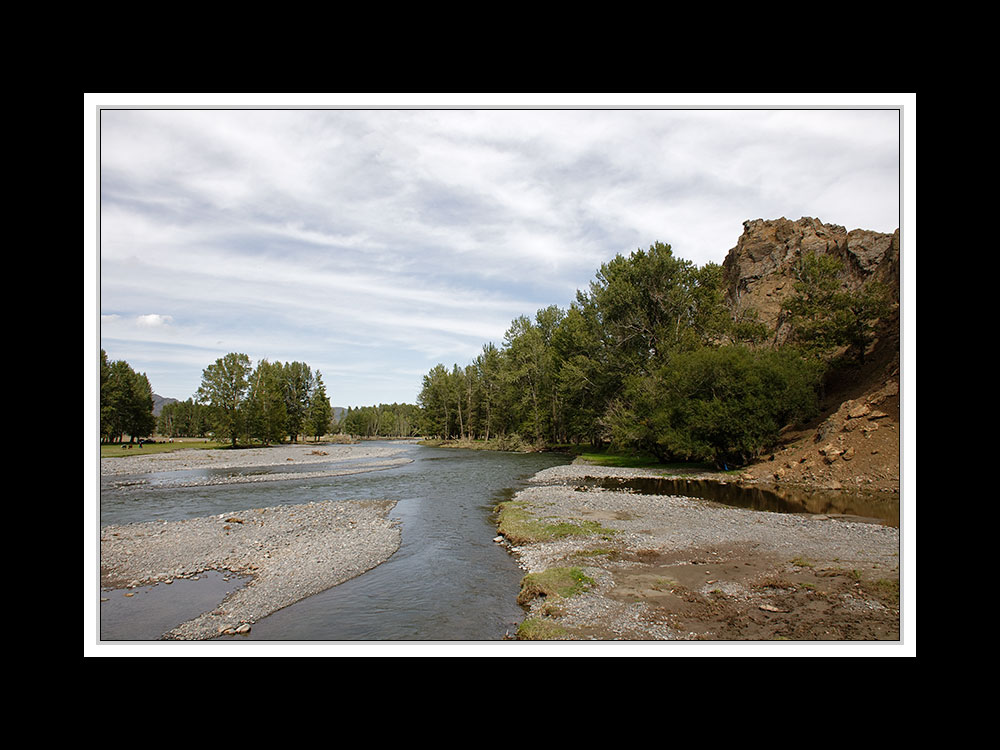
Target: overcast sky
(373,244)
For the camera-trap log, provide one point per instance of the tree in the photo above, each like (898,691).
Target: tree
(726,404)
(224,386)
(861,310)
(488,372)
(825,315)
(582,374)
(298,388)
(126,401)
(526,360)
(183,418)
(434,402)
(266,414)
(320,412)
(644,302)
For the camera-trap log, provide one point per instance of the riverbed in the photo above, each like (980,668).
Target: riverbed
(431,570)
(659,567)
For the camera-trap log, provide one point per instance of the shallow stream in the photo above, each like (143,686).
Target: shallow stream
(448,581)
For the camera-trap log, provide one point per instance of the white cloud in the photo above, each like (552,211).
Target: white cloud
(154,321)
(419,234)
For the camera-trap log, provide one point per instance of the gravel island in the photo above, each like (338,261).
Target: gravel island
(290,552)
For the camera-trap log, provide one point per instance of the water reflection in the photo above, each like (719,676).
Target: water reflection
(767,498)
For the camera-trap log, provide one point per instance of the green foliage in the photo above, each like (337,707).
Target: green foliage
(298,387)
(126,402)
(554,582)
(266,411)
(183,419)
(726,404)
(384,420)
(650,360)
(224,387)
(261,404)
(825,315)
(320,413)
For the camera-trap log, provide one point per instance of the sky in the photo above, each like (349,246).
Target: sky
(373,241)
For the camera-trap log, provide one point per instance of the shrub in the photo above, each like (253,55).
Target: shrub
(726,405)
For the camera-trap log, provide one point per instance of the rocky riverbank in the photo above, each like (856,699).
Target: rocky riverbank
(615,565)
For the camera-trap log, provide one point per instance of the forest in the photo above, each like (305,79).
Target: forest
(647,359)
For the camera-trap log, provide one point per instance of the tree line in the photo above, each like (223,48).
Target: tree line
(384,420)
(649,358)
(236,402)
(263,404)
(126,401)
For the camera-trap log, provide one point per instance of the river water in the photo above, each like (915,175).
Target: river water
(447,582)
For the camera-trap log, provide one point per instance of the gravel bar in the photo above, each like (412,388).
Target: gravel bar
(679,535)
(290,552)
(676,523)
(279,455)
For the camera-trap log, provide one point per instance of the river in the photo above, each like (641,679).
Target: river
(448,581)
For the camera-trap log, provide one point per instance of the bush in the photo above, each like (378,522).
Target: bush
(726,405)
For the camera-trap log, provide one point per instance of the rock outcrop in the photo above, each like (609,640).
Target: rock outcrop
(855,443)
(760,271)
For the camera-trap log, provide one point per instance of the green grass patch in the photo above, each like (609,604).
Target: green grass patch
(628,460)
(521,527)
(116,450)
(554,582)
(539,629)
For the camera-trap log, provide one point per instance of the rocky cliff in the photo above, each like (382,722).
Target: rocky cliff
(855,443)
(760,271)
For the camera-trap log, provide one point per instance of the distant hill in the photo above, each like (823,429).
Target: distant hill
(160,401)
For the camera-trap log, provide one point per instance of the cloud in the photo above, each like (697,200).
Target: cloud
(395,238)
(153,320)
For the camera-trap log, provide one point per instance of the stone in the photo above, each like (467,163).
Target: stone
(858,411)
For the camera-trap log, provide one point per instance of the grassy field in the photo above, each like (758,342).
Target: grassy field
(113,451)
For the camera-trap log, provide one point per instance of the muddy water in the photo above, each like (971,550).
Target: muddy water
(854,506)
